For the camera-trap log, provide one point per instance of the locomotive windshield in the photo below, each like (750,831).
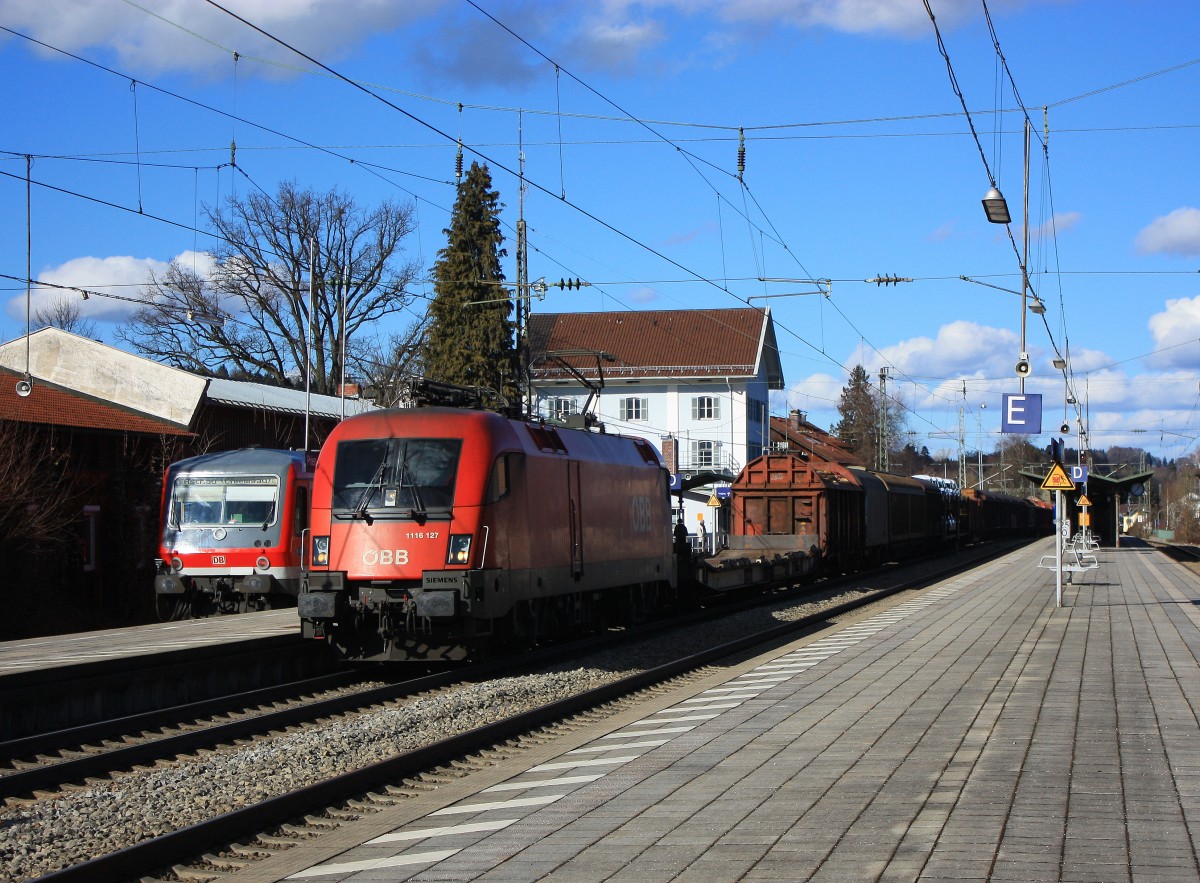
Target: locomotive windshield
(211,500)
(407,477)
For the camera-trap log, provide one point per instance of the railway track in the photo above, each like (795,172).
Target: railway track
(304,811)
(49,761)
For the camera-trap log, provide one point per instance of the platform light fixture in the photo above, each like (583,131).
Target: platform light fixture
(995,206)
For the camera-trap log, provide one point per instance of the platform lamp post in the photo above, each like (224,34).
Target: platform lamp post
(996,208)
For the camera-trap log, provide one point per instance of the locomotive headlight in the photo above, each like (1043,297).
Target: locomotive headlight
(262,562)
(460,549)
(320,549)
(177,564)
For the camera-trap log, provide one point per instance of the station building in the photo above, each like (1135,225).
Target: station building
(695,383)
(94,427)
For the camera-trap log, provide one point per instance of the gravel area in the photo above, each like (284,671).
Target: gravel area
(67,829)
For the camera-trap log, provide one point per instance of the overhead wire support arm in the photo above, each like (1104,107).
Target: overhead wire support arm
(823,285)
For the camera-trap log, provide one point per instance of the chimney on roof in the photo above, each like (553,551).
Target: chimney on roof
(795,418)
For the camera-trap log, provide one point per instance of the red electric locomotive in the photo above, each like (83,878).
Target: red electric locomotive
(230,538)
(438,530)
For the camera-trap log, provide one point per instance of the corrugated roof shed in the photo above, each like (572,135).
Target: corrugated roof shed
(657,343)
(260,396)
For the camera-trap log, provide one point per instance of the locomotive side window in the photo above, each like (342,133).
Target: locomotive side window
(500,482)
(411,477)
(208,501)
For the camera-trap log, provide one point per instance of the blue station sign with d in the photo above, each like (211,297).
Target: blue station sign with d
(1022,413)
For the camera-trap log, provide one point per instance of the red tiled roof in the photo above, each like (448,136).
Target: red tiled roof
(54,406)
(653,343)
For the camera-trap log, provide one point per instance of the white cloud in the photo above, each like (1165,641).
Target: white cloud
(904,17)
(613,35)
(1174,329)
(1060,223)
(614,45)
(1177,233)
(185,35)
(961,349)
(115,283)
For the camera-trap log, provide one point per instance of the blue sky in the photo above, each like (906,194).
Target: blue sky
(859,164)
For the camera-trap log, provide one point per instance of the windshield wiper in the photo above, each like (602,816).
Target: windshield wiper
(360,510)
(418,508)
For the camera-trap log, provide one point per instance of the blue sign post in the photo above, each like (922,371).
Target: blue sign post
(1022,413)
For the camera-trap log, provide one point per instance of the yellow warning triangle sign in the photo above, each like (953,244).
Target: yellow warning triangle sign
(1084,501)
(1057,479)
(713,501)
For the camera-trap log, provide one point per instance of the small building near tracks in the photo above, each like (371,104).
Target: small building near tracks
(83,448)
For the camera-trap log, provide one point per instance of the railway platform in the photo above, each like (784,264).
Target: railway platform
(57,651)
(63,681)
(973,731)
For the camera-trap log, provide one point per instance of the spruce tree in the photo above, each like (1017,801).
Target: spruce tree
(859,413)
(470,337)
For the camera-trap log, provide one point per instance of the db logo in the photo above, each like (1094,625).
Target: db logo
(218,559)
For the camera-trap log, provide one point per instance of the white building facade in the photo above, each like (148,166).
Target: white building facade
(695,383)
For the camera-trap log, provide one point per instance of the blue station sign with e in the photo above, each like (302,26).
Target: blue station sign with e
(1022,413)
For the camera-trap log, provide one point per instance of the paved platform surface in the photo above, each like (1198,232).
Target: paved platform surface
(974,732)
(55,651)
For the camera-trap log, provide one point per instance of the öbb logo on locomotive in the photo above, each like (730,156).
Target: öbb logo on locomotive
(373,557)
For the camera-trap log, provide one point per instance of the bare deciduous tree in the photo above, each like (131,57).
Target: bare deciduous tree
(252,315)
(36,502)
(67,315)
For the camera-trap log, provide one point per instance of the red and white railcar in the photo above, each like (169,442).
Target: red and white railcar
(230,532)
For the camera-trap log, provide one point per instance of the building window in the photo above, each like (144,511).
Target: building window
(706,408)
(635,409)
(560,407)
(758,410)
(705,454)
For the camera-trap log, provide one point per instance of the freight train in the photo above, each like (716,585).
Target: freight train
(230,532)
(438,532)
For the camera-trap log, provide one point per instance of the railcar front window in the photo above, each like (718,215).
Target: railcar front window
(395,477)
(209,501)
